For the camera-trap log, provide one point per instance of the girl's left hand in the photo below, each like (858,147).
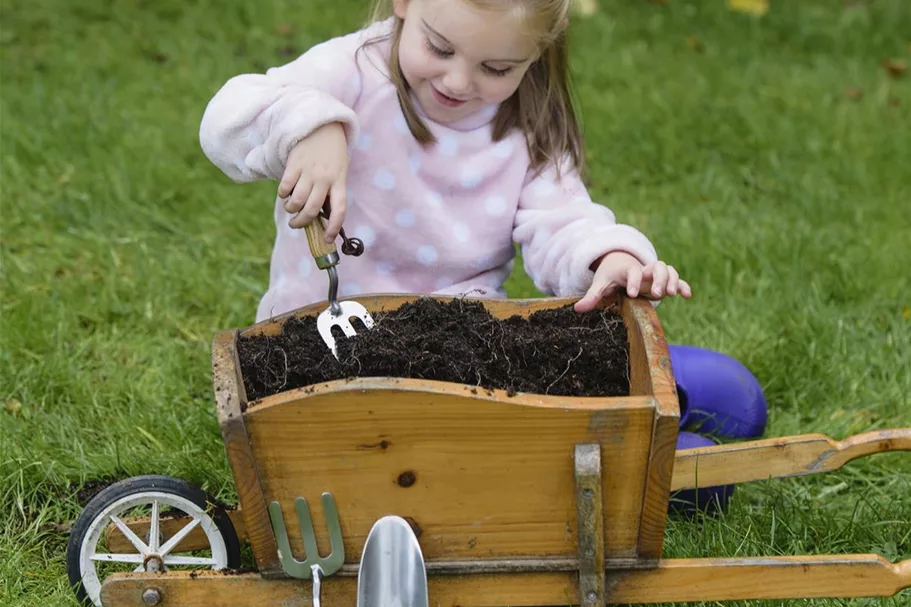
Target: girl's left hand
(619,269)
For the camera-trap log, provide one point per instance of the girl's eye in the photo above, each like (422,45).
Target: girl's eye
(435,49)
(496,72)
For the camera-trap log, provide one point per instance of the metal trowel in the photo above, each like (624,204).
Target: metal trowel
(392,571)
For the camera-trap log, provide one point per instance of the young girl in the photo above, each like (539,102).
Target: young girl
(441,134)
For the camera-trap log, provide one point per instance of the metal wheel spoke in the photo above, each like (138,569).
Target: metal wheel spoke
(177,537)
(153,528)
(118,558)
(128,533)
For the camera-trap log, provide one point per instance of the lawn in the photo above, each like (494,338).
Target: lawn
(768,159)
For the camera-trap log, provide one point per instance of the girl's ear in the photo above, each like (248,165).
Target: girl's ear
(400,7)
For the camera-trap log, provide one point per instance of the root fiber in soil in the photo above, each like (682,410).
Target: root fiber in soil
(558,352)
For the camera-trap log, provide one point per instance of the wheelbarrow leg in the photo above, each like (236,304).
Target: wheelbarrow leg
(392,570)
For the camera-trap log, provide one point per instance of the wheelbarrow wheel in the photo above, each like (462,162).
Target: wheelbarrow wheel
(104,522)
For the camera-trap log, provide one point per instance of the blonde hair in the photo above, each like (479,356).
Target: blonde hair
(542,106)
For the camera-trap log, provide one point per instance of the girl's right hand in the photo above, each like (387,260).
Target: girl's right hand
(317,166)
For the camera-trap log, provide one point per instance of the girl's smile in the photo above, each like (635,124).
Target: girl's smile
(446,100)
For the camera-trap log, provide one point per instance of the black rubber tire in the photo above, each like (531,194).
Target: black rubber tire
(140,484)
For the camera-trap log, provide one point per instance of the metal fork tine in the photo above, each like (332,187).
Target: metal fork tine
(308,534)
(347,327)
(330,342)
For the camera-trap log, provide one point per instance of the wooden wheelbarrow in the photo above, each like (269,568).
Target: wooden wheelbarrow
(516,500)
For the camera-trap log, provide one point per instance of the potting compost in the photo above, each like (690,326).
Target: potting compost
(557,352)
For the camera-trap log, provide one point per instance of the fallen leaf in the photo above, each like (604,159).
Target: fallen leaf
(695,44)
(906,312)
(13,406)
(586,7)
(753,7)
(67,175)
(894,102)
(285,29)
(895,67)
(853,92)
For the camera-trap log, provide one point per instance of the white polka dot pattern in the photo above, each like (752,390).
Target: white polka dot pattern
(404,218)
(495,205)
(427,255)
(384,179)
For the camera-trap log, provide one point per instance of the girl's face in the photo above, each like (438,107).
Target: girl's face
(458,59)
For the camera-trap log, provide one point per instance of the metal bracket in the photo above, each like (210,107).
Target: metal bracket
(590,522)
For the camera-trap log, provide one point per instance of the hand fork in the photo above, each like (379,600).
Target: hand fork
(314,566)
(338,314)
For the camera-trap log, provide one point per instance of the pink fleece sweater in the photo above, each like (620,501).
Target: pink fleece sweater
(436,219)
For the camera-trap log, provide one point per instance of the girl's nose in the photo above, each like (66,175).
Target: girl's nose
(458,81)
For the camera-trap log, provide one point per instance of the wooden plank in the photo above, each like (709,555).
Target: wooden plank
(827,576)
(229,395)
(650,372)
(212,589)
(674,580)
(590,523)
(780,457)
(480,474)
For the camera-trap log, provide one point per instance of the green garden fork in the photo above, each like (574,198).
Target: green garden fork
(313,566)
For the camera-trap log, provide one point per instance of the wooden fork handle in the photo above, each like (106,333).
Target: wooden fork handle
(324,253)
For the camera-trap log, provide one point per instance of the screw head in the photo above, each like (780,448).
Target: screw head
(592,596)
(151,596)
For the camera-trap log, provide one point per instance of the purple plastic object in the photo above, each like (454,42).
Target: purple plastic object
(718,395)
(705,499)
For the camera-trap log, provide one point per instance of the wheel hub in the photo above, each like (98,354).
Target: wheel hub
(153,563)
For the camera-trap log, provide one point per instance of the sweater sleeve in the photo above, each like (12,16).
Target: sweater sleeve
(254,120)
(561,232)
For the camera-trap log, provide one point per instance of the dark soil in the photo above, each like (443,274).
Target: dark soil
(93,487)
(559,352)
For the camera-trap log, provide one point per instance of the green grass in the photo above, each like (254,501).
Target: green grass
(785,202)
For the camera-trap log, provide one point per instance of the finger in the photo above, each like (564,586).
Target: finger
(339,202)
(300,218)
(292,207)
(594,295)
(673,280)
(314,204)
(633,280)
(289,180)
(685,289)
(300,193)
(659,281)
